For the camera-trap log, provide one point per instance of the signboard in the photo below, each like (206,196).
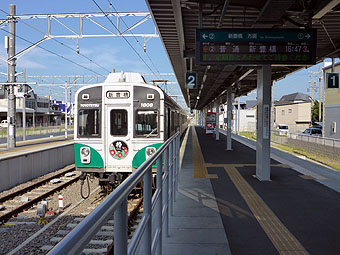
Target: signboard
(256,46)
(117,94)
(332,80)
(266,120)
(191,80)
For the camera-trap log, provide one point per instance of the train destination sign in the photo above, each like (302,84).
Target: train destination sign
(256,46)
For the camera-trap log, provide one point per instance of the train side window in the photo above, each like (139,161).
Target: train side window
(118,122)
(89,123)
(146,123)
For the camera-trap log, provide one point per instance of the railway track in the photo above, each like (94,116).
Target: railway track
(102,242)
(131,219)
(30,238)
(33,194)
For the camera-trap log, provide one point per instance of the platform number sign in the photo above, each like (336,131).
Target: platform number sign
(332,80)
(191,80)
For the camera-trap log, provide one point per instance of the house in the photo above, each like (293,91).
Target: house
(331,121)
(294,110)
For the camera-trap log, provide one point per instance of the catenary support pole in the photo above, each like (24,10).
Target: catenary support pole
(66,110)
(263,123)
(229,113)
(24,105)
(11,139)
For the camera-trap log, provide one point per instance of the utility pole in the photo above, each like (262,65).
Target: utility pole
(11,141)
(24,105)
(312,87)
(66,87)
(70,116)
(312,83)
(320,78)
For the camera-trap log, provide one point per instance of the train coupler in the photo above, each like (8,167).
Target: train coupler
(116,179)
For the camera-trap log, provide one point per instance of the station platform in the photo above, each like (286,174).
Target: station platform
(33,158)
(221,208)
(24,147)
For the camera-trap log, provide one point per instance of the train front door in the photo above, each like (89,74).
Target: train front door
(118,143)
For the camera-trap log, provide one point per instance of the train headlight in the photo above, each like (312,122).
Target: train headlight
(85,155)
(85,151)
(149,152)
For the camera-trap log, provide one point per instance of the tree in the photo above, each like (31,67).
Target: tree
(315,111)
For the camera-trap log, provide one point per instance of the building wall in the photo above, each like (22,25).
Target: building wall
(297,115)
(247,120)
(333,116)
(331,108)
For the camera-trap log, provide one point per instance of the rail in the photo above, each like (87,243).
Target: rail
(156,208)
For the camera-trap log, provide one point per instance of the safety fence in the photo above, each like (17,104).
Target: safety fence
(318,145)
(147,238)
(38,130)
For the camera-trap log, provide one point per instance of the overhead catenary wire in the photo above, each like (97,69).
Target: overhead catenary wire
(124,37)
(111,4)
(56,54)
(63,44)
(159,77)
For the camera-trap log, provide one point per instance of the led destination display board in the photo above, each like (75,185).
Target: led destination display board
(256,46)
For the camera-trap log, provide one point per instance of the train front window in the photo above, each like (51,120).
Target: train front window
(147,123)
(118,122)
(89,123)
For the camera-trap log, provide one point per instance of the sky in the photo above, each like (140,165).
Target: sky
(97,55)
(100,55)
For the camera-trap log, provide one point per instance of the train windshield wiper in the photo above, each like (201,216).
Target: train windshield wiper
(152,131)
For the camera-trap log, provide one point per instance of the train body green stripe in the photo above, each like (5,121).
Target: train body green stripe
(140,156)
(96,158)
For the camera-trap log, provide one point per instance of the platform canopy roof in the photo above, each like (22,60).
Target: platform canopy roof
(177,21)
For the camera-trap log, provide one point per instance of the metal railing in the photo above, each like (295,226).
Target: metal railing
(156,208)
(38,130)
(329,147)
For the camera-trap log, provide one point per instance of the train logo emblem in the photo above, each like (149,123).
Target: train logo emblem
(119,149)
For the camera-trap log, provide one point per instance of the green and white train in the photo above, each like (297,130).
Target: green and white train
(119,124)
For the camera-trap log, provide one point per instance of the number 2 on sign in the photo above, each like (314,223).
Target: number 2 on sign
(191,81)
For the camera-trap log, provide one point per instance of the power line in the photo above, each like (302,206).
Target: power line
(65,45)
(56,54)
(134,37)
(124,37)
(160,77)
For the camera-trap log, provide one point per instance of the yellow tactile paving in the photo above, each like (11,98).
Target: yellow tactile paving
(200,171)
(282,239)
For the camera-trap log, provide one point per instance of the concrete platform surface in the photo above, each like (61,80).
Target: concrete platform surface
(222,209)
(196,226)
